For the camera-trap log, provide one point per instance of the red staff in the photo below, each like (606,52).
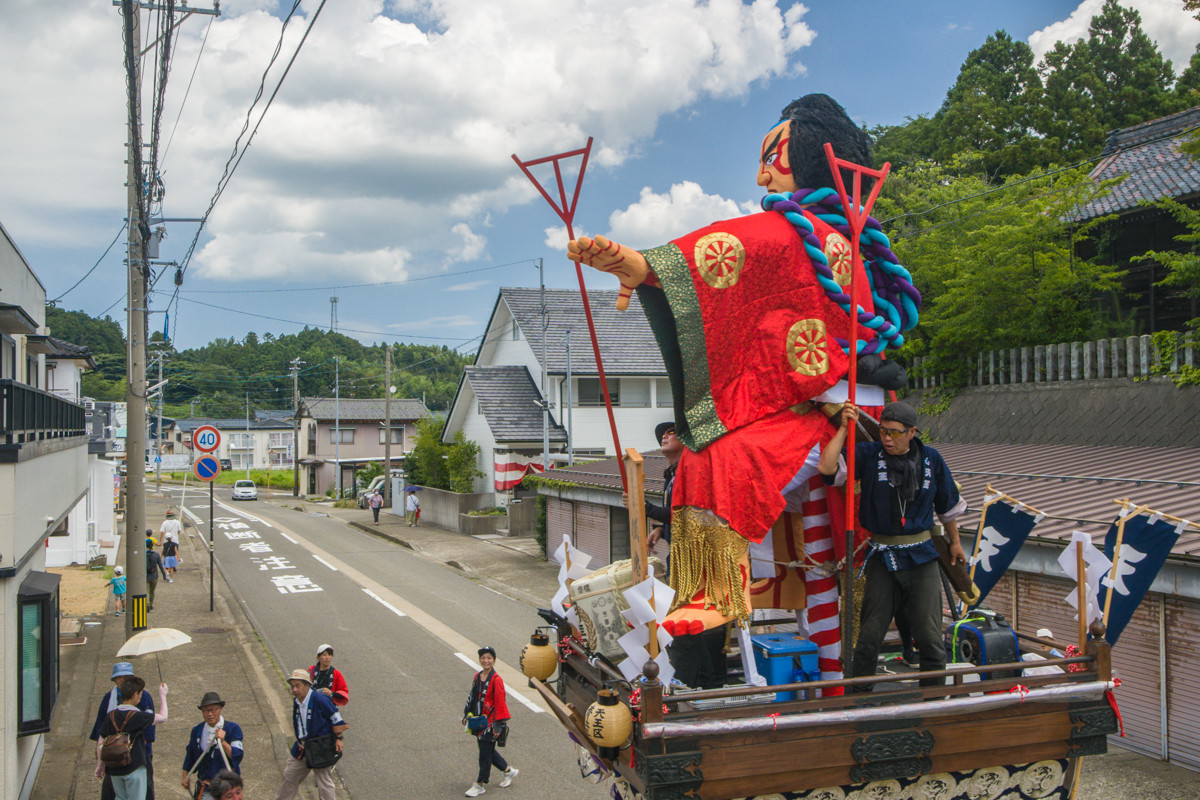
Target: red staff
(856,217)
(566,212)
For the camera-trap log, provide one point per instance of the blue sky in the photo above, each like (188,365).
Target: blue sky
(385,157)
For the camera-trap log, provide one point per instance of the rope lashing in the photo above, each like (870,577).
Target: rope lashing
(895,298)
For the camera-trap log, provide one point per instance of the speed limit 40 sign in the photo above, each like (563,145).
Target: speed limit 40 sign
(206,438)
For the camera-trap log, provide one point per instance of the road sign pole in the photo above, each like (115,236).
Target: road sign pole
(210,545)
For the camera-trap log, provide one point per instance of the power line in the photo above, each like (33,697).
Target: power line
(93,269)
(188,91)
(360,285)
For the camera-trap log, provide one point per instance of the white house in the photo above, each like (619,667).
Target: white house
(255,445)
(43,474)
(498,400)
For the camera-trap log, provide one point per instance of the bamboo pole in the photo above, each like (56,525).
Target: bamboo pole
(638,550)
(1116,556)
(1081,587)
(1190,524)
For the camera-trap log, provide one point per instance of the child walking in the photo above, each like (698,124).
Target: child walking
(118,589)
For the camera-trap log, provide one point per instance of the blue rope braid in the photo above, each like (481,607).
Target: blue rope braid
(895,298)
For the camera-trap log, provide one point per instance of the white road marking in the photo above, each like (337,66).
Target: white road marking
(386,604)
(467,660)
(290,539)
(326,563)
(243,514)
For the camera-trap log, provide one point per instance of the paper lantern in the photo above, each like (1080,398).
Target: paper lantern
(538,658)
(608,721)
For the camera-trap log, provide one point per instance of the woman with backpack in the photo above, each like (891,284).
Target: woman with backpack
(488,705)
(121,749)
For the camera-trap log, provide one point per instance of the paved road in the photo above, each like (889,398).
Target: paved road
(405,633)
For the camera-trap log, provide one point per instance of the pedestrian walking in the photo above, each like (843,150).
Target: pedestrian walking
(170,551)
(375,502)
(170,530)
(412,508)
(327,680)
(117,581)
(121,749)
(215,745)
(154,567)
(123,670)
(319,727)
(489,701)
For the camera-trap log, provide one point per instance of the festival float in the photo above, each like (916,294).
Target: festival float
(753,317)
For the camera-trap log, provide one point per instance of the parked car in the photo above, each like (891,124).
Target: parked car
(226,463)
(245,490)
(376,484)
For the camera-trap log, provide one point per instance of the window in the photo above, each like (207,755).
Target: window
(241,460)
(37,652)
(589,393)
(347,435)
(397,436)
(618,533)
(663,390)
(243,441)
(635,393)
(280,440)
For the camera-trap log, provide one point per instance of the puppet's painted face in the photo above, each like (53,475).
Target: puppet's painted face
(774,171)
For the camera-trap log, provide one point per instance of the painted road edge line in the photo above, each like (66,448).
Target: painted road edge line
(383,602)
(323,561)
(290,539)
(507,689)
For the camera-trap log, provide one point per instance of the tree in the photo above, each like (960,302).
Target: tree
(426,464)
(1183,265)
(997,268)
(462,456)
(992,109)
(1133,77)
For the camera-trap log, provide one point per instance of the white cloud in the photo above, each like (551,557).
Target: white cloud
(431,323)
(389,142)
(657,218)
(1164,21)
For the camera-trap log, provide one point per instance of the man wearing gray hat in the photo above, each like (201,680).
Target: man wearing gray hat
(214,745)
(904,484)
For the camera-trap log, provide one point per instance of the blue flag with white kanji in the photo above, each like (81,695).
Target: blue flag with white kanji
(1144,548)
(1004,529)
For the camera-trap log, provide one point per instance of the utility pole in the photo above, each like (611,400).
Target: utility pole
(545,388)
(296,364)
(162,396)
(135,389)
(387,426)
(337,425)
(570,444)
(249,449)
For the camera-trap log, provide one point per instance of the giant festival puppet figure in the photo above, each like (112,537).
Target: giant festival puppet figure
(752,317)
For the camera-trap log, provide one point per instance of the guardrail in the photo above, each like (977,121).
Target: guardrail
(33,415)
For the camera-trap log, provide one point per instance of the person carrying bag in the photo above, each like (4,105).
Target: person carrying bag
(319,727)
(486,717)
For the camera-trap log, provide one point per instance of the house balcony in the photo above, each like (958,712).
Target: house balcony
(36,420)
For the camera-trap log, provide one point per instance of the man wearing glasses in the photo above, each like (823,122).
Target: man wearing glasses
(903,484)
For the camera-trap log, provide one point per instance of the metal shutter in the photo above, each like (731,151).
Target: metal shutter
(1183,681)
(591,532)
(558,522)
(1000,598)
(1135,658)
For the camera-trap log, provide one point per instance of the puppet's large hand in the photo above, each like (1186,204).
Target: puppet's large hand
(628,265)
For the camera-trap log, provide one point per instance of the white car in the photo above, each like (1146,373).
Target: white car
(245,490)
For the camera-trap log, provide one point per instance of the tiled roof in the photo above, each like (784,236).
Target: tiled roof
(509,400)
(1148,157)
(63,349)
(606,474)
(369,410)
(627,345)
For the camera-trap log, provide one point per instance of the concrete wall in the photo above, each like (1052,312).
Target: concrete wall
(522,517)
(442,508)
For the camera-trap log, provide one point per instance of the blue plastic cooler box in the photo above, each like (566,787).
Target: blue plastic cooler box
(782,657)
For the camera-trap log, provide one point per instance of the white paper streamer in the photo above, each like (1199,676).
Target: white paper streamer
(1096,568)
(579,569)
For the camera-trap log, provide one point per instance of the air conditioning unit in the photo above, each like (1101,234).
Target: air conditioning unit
(89,404)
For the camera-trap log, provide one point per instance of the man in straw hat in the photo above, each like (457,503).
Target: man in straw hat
(313,716)
(214,745)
